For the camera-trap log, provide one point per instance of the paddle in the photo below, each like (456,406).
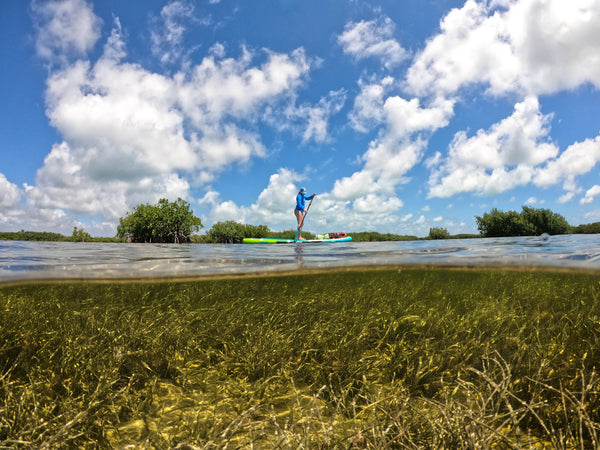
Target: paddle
(302,221)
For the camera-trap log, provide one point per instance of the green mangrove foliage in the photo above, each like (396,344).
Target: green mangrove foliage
(32,236)
(382,358)
(232,232)
(373,236)
(164,222)
(79,235)
(529,222)
(590,228)
(438,233)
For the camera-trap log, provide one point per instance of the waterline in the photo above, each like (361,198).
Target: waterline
(83,260)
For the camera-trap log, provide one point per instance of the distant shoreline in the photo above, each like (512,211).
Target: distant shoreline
(364,236)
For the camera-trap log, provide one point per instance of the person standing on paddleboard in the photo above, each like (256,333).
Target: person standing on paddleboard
(300,209)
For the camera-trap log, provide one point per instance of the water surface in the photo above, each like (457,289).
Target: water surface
(84,260)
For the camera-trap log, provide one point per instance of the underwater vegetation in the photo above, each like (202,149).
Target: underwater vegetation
(395,357)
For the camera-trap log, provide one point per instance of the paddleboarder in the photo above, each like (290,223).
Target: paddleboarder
(300,210)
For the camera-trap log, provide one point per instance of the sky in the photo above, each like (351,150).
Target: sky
(400,115)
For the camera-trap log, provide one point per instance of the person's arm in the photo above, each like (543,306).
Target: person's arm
(311,197)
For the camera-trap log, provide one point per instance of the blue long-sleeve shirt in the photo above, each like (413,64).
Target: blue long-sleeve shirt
(301,201)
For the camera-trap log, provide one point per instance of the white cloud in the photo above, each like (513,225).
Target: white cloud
(115,49)
(367,39)
(368,105)
(10,194)
(397,149)
(375,205)
(132,136)
(317,117)
(578,159)
(274,206)
(221,88)
(168,31)
(590,195)
(495,160)
(557,42)
(120,121)
(222,146)
(63,184)
(211,198)
(311,122)
(225,211)
(405,117)
(65,28)
(527,46)
(567,197)
(391,155)
(531,201)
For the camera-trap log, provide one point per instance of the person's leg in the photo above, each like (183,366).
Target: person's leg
(299,216)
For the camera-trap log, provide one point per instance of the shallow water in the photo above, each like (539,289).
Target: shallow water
(82,260)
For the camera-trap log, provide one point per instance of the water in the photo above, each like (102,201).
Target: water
(396,341)
(82,260)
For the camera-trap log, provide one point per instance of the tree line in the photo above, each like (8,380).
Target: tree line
(529,222)
(175,222)
(79,235)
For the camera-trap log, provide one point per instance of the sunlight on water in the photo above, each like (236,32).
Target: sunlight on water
(73,260)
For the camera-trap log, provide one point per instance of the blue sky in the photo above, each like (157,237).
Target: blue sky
(401,115)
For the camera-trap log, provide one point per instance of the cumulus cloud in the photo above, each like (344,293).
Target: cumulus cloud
(495,160)
(396,150)
(111,114)
(131,135)
(310,122)
(221,146)
(369,196)
(368,105)
(220,88)
(405,117)
(532,47)
(10,194)
(373,39)
(65,28)
(63,184)
(317,117)
(527,47)
(578,159)
(590,195)
(531,201)
(274,205)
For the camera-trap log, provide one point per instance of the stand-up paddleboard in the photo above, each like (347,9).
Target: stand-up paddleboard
(292,241)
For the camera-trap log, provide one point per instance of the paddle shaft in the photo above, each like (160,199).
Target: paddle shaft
(303,217)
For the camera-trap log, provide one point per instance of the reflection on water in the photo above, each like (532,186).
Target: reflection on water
(67,260)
